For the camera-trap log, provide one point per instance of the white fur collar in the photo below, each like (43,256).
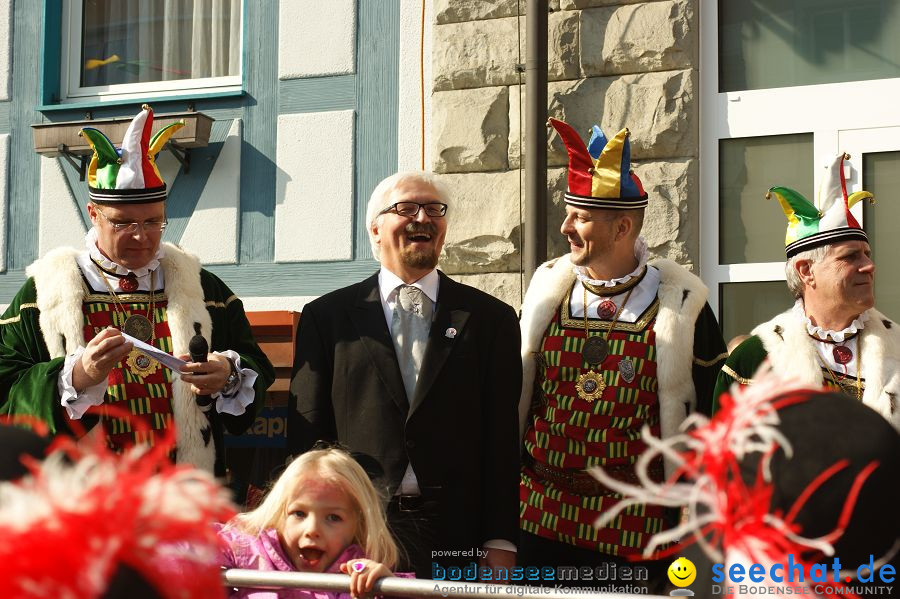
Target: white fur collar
(60,294)
(682,296)
(792,352)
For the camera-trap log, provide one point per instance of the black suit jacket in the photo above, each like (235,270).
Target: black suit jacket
(459,431)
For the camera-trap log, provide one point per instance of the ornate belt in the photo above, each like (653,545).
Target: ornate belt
(580,482)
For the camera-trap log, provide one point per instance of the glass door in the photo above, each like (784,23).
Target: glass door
(875,158)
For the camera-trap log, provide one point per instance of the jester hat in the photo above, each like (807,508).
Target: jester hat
(128,175)
(600,174)
(827,221)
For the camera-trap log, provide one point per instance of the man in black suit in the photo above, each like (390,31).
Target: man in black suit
(426,386)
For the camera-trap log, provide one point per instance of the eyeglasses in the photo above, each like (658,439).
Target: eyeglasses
(433,209)
(148,226)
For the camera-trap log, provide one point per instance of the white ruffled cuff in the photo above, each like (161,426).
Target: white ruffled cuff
(500,544)
(237,401)
(75,403)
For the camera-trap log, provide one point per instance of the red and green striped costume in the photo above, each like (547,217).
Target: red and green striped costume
(148,399)
(570,433)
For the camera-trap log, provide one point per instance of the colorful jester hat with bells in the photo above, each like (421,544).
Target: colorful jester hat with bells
(128,175)
(600,174)
(829,220)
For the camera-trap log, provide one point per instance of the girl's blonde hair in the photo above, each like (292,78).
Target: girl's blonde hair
(335,465)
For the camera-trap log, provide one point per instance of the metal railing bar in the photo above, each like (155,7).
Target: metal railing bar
(411,587)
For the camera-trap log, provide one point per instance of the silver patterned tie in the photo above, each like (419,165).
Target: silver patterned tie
(410,325)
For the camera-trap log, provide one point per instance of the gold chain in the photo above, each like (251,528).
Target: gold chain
(858,370)
(601,291)
(150,313)
(587,330)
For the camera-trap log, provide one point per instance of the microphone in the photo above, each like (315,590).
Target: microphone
(199,348)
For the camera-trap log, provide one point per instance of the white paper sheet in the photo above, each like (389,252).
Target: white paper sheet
(167,360)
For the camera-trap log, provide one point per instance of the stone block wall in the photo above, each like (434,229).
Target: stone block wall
(616,63)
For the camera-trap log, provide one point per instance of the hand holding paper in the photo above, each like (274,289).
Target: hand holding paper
(167,360)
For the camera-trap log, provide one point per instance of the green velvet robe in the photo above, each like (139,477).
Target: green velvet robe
(44,321)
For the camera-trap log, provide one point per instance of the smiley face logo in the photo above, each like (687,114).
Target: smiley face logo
(682,572)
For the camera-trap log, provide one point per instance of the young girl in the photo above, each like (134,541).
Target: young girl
(322,515)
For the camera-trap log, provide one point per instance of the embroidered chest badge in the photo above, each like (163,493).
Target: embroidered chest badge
(626,370)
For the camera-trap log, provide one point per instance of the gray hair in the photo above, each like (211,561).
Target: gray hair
(382,193)
(792,277)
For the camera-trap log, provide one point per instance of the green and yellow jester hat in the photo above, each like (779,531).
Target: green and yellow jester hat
(128,175)
(827,221)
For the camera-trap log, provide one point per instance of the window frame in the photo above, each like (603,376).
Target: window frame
(69,70)
(825,110)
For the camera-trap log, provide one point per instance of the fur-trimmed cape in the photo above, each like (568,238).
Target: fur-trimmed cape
(792,353)
(682,299)
(31,356)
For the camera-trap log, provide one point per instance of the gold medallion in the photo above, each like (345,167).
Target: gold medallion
(138,327)
(141,365)
(590,386)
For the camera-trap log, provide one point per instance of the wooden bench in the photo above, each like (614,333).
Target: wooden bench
(253,457)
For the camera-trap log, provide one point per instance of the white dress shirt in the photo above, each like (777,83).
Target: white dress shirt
(388,288)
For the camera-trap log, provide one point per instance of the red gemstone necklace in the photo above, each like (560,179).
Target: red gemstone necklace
(839,383)
(127,283)
(607,308)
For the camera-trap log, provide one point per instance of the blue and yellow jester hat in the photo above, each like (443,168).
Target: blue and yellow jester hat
(828,220)
(128,175)
(600,173)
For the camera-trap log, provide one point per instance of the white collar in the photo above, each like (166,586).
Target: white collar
(90,242)
(388,283)
(640,252)
(821,334)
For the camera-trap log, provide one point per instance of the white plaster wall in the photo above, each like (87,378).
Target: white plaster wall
(409,154)
(316,38)
(314,195)
(212,231)
(5,47)
(169,167)
(60,222)
(4,196)
(292,303)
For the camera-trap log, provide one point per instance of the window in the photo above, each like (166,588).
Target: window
(881,172)
(122,49)
(782,43)
(786,85)
(748,166)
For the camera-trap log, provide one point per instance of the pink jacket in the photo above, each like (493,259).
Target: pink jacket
(264,552)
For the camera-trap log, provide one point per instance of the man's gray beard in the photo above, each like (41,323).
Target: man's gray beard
(419,260)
